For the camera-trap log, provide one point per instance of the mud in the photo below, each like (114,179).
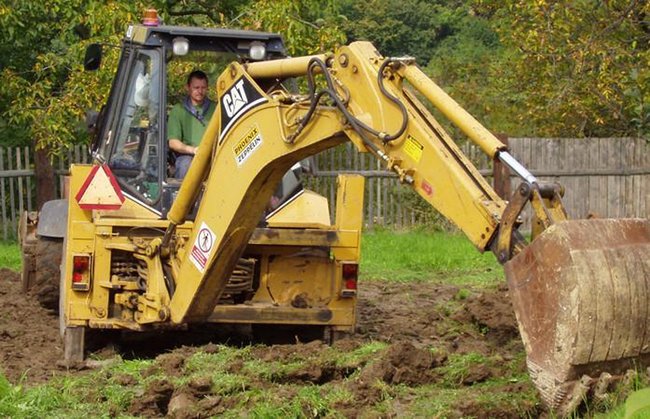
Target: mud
(30,346)
(410,317)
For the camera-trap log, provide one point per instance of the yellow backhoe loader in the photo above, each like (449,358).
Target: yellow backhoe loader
(142,251)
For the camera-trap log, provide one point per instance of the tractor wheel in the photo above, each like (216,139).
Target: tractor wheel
(45,281)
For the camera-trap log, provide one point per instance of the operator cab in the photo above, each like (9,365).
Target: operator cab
(131,129)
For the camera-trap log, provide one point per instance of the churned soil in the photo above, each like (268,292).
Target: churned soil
(30,347)
(409,317)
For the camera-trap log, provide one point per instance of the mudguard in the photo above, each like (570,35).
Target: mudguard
(53,219)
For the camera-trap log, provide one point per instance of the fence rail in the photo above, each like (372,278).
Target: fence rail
(609,177)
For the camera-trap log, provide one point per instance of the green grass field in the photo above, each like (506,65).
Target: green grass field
(10,256)
(420,255)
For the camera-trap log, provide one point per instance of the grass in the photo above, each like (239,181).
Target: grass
(426,256)
(10,256)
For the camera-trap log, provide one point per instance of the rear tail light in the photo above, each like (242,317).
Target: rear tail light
(350,272)
(81,272)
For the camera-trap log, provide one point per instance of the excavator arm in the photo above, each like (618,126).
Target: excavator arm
(247,150)
(260,130)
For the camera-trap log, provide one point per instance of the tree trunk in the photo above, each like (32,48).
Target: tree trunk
(44,176)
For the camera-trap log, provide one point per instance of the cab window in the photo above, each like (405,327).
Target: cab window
(136,156)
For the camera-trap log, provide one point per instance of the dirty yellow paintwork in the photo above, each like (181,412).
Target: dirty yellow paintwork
(308,210)
(287,274)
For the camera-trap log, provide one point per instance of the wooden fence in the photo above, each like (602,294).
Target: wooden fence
(17,187)
(606,177)
(609,177)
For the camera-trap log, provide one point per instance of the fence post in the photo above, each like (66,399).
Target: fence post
(501,173)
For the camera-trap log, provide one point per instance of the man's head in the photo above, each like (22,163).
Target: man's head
(197,86)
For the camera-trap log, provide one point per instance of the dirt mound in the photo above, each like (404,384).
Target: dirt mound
(30,346)
(155,400)
(412,318)
(492,312)
(403,363)
(403,311)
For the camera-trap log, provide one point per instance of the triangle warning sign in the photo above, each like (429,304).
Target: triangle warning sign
(100,190)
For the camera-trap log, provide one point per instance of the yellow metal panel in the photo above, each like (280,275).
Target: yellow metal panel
(82,230)
(129,209)
(300,281)
(349,214)
(452,110)
(240,202)
(349,202)
(79,239)
(441,174)
(307,210)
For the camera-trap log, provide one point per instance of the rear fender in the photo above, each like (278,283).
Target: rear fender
(53,219)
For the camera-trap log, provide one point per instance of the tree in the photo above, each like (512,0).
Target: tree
(414,28)
(307,26)
(44,92)
(582,67)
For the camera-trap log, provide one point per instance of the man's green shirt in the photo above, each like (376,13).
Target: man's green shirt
(184,126)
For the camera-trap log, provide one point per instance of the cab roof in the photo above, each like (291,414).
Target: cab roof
(210,39)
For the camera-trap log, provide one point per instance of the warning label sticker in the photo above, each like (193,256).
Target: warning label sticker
(247,145)
(413,148)
(202,247)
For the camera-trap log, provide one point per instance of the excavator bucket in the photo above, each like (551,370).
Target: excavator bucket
(581,294)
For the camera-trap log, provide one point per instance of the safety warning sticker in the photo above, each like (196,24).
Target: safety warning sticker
(247,145)
(413,148)
(202,247)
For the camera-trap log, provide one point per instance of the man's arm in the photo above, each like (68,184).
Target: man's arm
(181,148)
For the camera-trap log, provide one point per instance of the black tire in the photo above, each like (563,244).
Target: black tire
(47,261)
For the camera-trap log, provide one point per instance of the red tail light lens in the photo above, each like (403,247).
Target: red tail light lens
(81,272)
(350,273)
(80,263)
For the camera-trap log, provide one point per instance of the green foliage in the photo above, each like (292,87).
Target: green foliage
(45,92)
(470,66)
(578,68)
(308,26)
(582,66)
(415,27)
(638,404)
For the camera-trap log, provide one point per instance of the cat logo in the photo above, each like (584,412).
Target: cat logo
(241,97)
(235,99)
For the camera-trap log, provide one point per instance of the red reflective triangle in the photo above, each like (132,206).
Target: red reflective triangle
(100,190)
